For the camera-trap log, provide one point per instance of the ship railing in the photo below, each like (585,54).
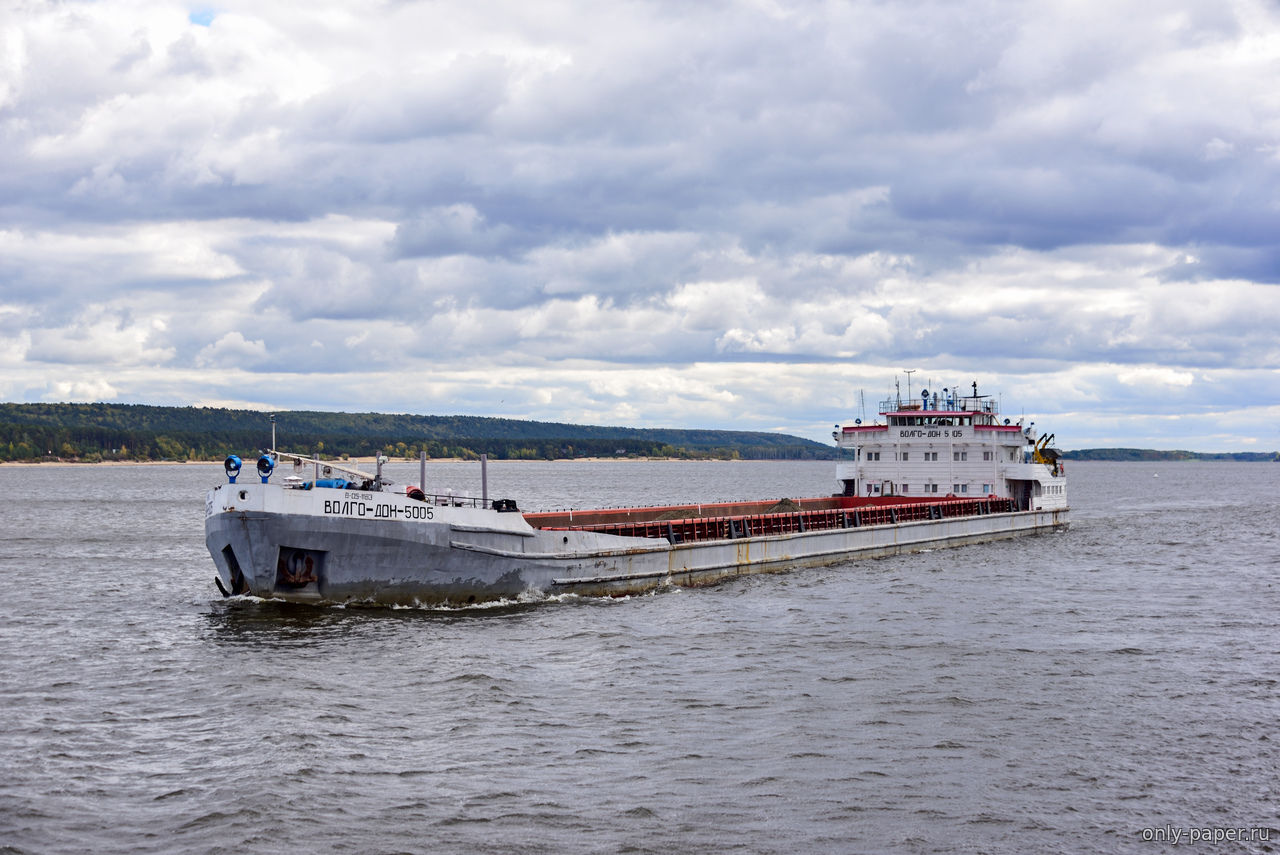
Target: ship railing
(700,529)
(449,500)
(955,405)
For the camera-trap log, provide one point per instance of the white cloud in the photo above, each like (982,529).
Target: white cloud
(100,335)
(1147,376)
(232,349)
(80,391)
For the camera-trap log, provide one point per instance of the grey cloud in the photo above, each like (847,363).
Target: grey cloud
(458,230)
(187,57)
(139,52)
(1254,264)
(312,281)
(460,99)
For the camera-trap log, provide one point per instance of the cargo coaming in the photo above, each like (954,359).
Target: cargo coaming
(360,542)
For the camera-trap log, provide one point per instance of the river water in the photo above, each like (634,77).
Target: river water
(1097,690)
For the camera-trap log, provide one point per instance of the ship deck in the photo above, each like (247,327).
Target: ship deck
(731,520)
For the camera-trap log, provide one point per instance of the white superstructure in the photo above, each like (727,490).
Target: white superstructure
(950,445)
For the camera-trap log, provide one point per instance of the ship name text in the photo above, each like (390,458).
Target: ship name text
(378,510)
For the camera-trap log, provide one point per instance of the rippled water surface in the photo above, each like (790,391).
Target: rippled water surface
(1061,693)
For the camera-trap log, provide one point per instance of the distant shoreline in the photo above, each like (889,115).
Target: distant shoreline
(368,462)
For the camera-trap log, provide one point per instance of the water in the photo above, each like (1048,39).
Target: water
(1057,693)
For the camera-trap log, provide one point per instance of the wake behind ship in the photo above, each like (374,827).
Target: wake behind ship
(943,470)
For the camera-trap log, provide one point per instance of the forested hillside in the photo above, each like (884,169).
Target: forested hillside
(97,432)
(1156,454)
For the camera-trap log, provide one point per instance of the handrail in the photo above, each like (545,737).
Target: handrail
(300,460)
(451,501)
(957,405)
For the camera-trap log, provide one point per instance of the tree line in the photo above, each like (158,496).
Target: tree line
(1138,454)
(104,432)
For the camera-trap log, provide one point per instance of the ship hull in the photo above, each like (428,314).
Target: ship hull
(291,547)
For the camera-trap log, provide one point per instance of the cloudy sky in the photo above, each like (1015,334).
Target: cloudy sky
(747,215)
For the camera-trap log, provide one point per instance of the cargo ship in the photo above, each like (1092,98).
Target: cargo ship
(940,470)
